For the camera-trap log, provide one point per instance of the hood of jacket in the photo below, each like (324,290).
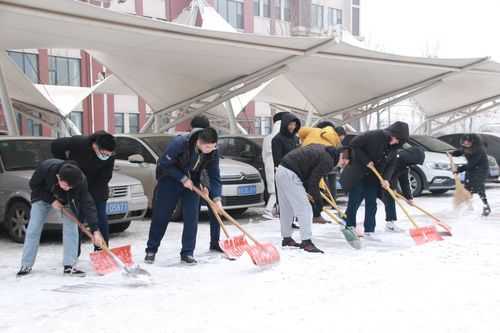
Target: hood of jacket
(285,121)
(399,130)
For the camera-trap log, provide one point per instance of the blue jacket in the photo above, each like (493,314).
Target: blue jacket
(181,161)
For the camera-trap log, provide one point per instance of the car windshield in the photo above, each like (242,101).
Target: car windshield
(157,142)
(432,144)
(24,154)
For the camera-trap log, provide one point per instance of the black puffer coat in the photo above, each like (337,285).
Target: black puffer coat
(284,142)
(477,168)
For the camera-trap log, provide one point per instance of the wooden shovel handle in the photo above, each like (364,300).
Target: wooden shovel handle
(225,214)
(329,199)
(211,206)
(391,192)
(86,232)
(419,208)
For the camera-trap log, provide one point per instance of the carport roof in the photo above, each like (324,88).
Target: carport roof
(167,63)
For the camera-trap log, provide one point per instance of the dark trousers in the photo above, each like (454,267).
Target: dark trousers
(167,192)
(363,191)
(102,225)
(390,207)
(214,227)
(317,208)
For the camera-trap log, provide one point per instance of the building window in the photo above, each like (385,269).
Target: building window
(256,8)
(317,16)
(355,21)
(263,125)
(119,123)
(133,122)
(34,128)
(287,10)
(266,8)
(27,62)
(77,118)
(334,16)
(232,11)
(19,118)
(64,71)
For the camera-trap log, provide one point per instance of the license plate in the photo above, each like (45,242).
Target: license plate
(247,190)
(113,208)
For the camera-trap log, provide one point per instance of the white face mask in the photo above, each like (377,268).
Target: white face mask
(102,157)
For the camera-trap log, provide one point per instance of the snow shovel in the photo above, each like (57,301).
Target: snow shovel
(350,236)
(109,260)
(262,254)
(461,194)
(332,201)
(420,235)
(233,247)
(435,220)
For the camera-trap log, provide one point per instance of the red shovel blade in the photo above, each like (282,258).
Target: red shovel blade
(447,229)
(418,236)
(104,264)
(264,254)
(234,247)
(432,234)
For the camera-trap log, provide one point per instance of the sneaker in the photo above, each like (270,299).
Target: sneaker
(371,236)
(289,242)
(486,210)
(23,271)
(215,247)
(72,271)
(308,246)
(150,258)
(188,259)
(295,226)
(392,227)
(320,220)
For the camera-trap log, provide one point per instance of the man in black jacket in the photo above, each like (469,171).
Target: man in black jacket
(476,169)
(369,149)
(94,156)
(286,140)
(398,172)
(54,185)
(297,177)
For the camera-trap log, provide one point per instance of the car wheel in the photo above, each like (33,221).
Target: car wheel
(439,191)
(119,227)
(17,218)
(416,183)
(237,212)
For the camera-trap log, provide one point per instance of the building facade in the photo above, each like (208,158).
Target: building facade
(127,114)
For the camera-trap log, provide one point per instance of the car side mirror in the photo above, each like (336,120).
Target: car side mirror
(136,158)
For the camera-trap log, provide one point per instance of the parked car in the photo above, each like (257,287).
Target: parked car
(19,157)
(492,144)
(435,174)
(137,155)
(246,149)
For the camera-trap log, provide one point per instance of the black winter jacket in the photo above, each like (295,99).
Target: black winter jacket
(310,164)
(477,167)
(79,148)
(44,187)
(284,142)
(398,168)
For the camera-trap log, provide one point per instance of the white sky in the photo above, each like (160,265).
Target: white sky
(455,28)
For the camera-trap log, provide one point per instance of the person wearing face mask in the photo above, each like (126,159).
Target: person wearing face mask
(180,168)
(476,169)
(56,184)
(94,154)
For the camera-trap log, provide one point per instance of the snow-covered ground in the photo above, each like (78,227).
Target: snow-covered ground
(388,286)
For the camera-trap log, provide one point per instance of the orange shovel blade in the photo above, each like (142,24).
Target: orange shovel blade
(104,264)
(447,229)
(264,254)
(418,236)
(234,247)
(431,233)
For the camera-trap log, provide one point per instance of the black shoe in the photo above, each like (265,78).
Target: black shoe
(189,260)
(150,258)
(307,245)
(486,210)
(23,271)
(215,247)
(295,226)
(71,271)
(289,242)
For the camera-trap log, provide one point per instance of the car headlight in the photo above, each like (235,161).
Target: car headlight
(136,190)
(439,165)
